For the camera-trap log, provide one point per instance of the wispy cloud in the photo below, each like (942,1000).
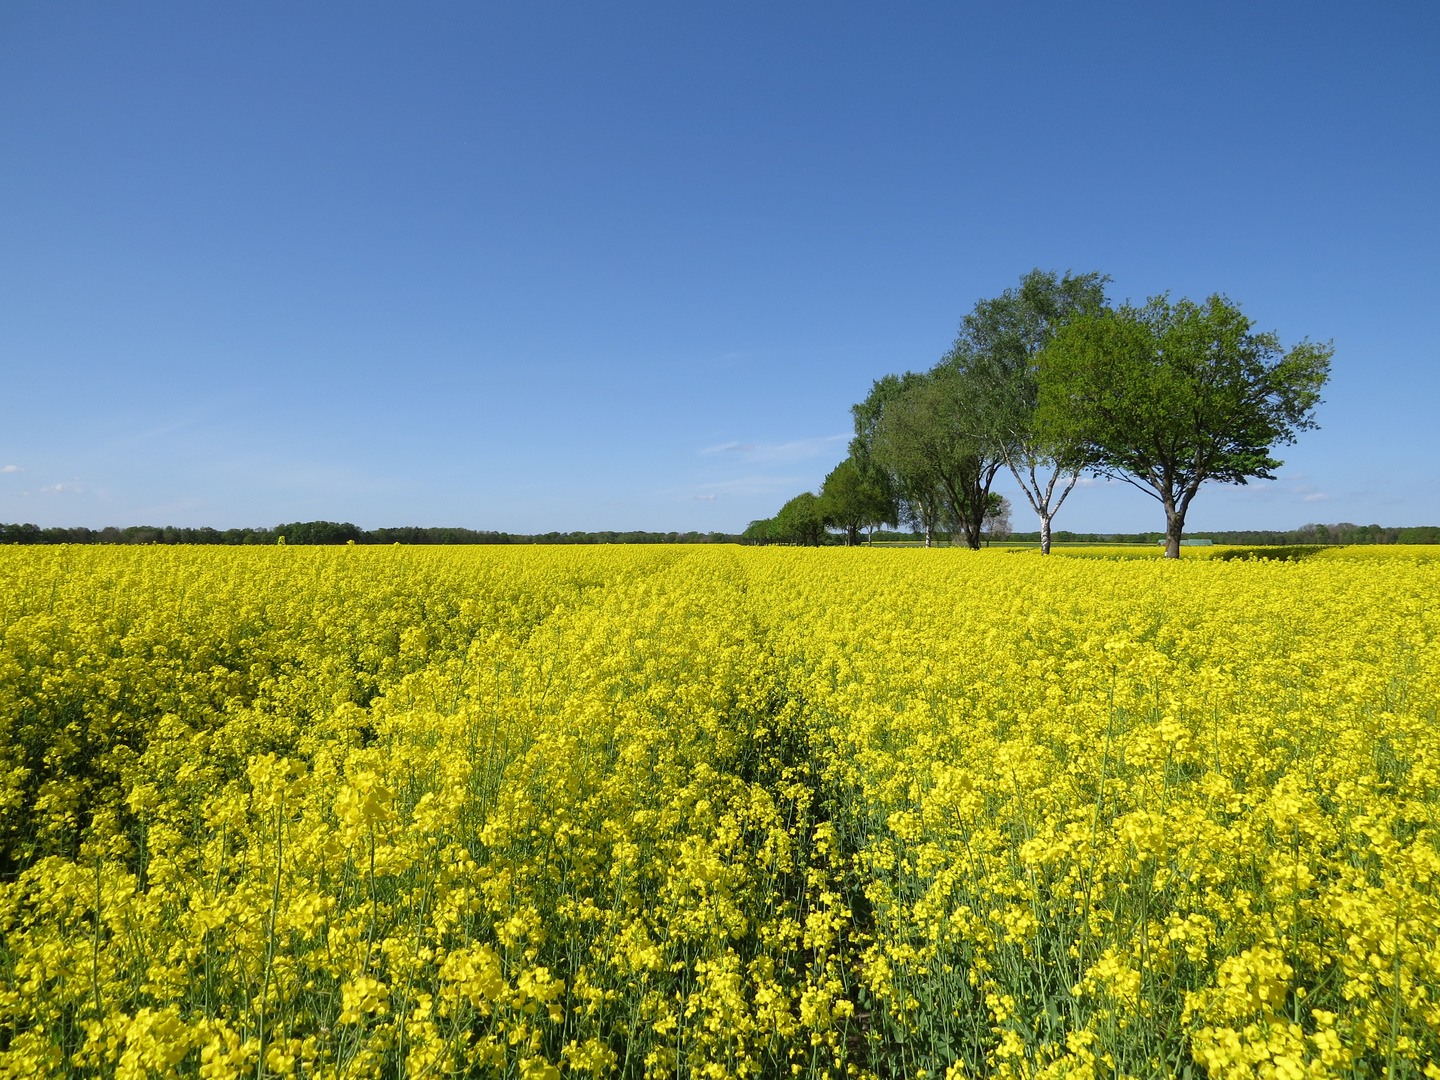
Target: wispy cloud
(751,485)
(10,468)
(1319,496)
(729,448)
(778,453)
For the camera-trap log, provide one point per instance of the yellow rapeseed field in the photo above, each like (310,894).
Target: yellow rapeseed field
(715,811)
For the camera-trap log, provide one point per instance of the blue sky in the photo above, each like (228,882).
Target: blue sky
(611,266)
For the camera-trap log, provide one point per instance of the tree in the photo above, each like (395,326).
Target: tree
(1168,396)
(933,433)
(801,520)
(998,343)
(997,517)
(911,497)
(760,532)
(853,501)
(922,505)
(320,532)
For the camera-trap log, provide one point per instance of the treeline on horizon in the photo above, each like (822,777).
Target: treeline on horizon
(336,532)
(1341,533)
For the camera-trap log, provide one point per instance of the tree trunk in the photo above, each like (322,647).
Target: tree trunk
(1174,527)
(972,536)
(1044,534)
(928,532)
(969,528)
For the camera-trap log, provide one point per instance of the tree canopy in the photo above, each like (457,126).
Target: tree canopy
(997,345)
(915,494)
(853,500)
(1050,381)
(933,435)
(802,520)
(1170,395)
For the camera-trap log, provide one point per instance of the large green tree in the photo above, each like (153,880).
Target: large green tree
(854,500)
(915,498)
(934,432)
(802,520)
(1170,395)
(997,345)
(761,531)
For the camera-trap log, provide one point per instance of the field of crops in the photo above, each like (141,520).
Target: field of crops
(711,811)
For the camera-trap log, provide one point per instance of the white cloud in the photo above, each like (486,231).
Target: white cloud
(753,485)
(729,448)
(72,488)
(711,496)
(1319,496)
(778,453)
(10,468)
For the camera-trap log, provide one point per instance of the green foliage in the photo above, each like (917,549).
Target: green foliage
(330,532)
(1000,339)
(916,498)
(932,435)
(1168,396)
(1424,534)
(802,520)
(868,413)
(997,346)
(854,501)
(321,532)
(939,438)
(761,532)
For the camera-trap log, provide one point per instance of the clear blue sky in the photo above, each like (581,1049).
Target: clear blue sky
(608,266)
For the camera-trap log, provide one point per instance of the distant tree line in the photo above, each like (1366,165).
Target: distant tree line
(1049,380)
(763,532)
(336,532)
(1306,535)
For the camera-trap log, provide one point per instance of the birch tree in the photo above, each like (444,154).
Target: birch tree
(998,344)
